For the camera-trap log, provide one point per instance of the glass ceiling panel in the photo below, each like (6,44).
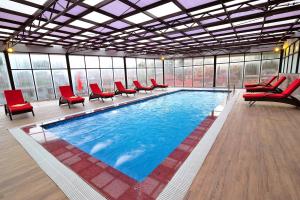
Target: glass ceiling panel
(118,23)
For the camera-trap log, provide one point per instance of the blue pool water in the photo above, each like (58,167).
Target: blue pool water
(136,138)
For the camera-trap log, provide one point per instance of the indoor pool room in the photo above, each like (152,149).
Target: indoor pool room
(149,99)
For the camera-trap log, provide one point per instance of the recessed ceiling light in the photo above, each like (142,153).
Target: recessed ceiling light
(138,18)
(97,17)
(81,24)
(163,10)
(89,34)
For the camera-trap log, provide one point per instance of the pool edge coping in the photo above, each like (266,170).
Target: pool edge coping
(75,187)
(178,186)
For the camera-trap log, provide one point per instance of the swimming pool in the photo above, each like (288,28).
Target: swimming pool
(136,138)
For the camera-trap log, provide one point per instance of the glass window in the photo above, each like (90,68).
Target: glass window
(79,81)
(294,65)
(252,56)
(150,75)
(142,76)
(131,76)
(58,61)
(159,75)
(92,62)
(169,72)
(178,76)
(223,59)
(19,61)
(209,60)
(40,61)
(236,75)
(252,72)
(269,67)
(270,55)
(208,75)
(118,62)
(198,76)
(198,61)
(222,75)
(93,76)
(23,80)
(107,79)
(158,63)
(178,62)
(150,63)
(60,78)
(188,76)
(105,62)
(289,67)
(4,80)
(188,62)
(130,63)
(237,58)
(44,85)
(119,75)
(141,63)
(76,62)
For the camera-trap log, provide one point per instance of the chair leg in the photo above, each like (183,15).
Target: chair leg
(5,109)
(10,115)
(252,103)
(69,105)
(112,99)
(32,113)
(83,103)
(102,100)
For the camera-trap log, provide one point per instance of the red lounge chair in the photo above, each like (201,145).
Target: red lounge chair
(68,97)
(155,85)
(272,88)
(262,84)
(15,103)
(122,90)
(97,93)
(139,87)
(284,97)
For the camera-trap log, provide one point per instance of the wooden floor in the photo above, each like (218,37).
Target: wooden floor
(256,156)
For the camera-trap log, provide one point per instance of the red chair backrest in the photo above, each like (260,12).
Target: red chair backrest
(137,84)
(153,82)
(95,88)
(13,97)
(120,86)
(281,79)
(292,87)
(66,91)
(271,80)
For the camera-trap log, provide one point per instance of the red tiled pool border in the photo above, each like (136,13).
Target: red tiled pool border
(110,182)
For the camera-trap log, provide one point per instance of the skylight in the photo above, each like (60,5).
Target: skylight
(92,2)
(50,25)
(79,37)
(81,24)
(164,10)
(158,38)
(204,10)
(212,28)
(17,7)
(138,18)
(97,17)
(39,2)
(6,30)
(89,34)
(280,22)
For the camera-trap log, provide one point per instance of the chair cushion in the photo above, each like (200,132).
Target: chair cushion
(264,95)
(75,99)
(128,91)
(106,94)
(20,107)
